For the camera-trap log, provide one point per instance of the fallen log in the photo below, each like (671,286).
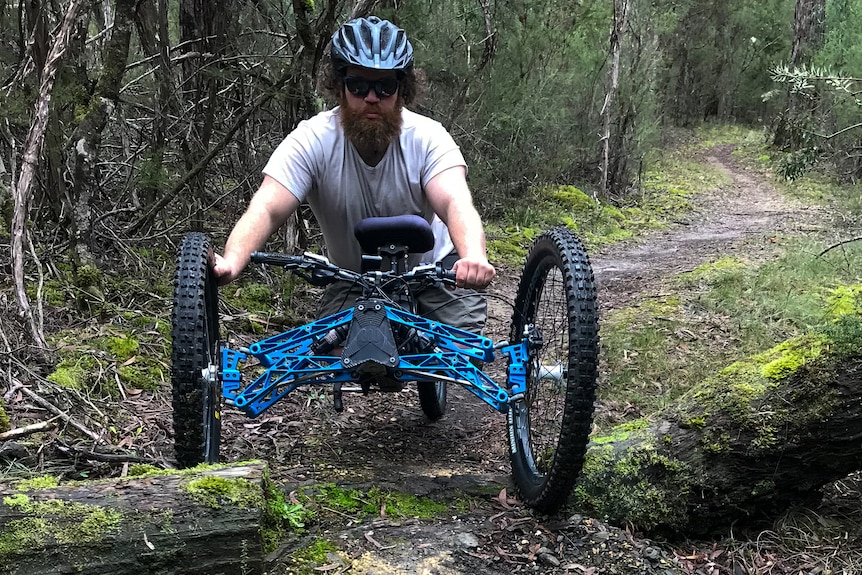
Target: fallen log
(746,444)
(204,520)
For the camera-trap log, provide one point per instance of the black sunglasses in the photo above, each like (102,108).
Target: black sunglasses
(359,86)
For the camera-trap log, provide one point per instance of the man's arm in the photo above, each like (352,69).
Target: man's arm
(449,195)
(269,208)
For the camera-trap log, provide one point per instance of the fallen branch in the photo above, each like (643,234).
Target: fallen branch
(28,430)
(839,244)
(61,414)
(103,457)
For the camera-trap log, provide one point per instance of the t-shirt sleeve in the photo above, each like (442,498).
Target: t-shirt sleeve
(441,152)
(292,162)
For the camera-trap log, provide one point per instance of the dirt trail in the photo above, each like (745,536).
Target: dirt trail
(740,218)
(378,441)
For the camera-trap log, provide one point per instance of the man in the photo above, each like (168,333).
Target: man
(370,156)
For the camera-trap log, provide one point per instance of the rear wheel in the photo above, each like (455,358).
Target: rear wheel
(549,428)
(195,378)
(432,398)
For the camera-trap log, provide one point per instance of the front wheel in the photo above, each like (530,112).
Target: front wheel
(549,428)
(197,390)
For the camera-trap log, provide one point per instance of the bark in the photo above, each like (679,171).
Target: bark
(23,190)
(745,445)
(203,521)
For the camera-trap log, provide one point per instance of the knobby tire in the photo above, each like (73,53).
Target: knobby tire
(549,429)
(195,347)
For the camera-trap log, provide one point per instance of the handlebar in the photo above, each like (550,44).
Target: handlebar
(320,271)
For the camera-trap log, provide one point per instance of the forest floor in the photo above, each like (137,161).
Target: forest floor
(382,443)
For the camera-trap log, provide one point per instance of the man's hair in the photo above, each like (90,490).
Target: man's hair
(331,83)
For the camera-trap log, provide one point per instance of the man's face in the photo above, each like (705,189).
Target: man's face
(371,107)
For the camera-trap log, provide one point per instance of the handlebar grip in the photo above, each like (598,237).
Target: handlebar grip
(276,259)
(445,275)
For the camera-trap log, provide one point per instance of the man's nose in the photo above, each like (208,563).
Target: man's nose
(372,97)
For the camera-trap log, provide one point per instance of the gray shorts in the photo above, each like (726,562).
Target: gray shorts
(461,308)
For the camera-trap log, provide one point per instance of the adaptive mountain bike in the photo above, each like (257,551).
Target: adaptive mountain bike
(380,344)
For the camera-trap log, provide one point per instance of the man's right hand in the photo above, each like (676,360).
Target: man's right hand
(225,270)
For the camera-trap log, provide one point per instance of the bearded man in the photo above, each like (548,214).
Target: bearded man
(370,157)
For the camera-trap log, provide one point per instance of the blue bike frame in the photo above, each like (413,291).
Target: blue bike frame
(289,362)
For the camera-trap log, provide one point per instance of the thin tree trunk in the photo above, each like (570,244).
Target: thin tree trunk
(621,13)
(23,190)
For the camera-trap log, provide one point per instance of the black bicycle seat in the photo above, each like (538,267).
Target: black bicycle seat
(410,231)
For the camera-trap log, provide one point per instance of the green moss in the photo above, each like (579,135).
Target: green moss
(634,482)
(69,522)
(253,297)
(571,198)
(715,442)
(371,502)
(787,357)
(316,554)
(844,300)
(214,491)
(123,347)
(43,482)
(89,276)
(693,422)
(74,373)
(742,396)
(29,533)
(5,424)
(142,469)
(146,378)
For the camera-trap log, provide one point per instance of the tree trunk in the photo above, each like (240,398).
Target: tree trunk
(746,444)
(202,521)
(87,139)
(621,13)
(23,190)
(808,34)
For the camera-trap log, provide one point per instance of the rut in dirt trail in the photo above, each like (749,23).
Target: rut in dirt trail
(739,218)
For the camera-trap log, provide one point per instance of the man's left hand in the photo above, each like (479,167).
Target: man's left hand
(473,272)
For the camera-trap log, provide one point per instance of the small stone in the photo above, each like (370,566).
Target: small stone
(601,536)
(467,539)
(651,553)
(548,558)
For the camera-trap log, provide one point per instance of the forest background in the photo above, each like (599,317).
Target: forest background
(128,123)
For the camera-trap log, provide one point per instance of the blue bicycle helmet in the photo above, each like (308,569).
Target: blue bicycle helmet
(371,43)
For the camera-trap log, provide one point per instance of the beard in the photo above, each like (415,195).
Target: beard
(370,134)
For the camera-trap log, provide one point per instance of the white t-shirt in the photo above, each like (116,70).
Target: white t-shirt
(317,163)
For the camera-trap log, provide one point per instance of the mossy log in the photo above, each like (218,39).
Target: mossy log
(203,521)
(744,445)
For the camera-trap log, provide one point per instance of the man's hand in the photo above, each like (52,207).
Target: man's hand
(473,272)
(225,270)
